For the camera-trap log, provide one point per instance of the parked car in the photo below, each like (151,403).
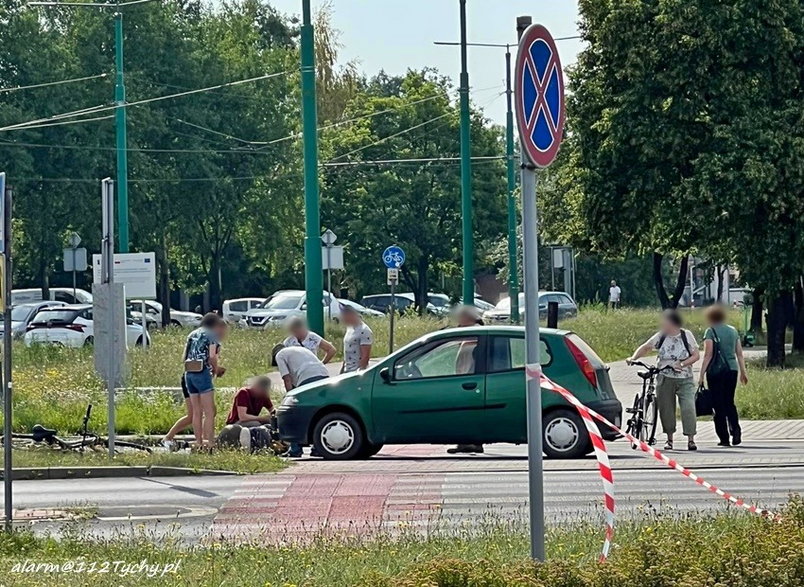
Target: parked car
(22,314)
(235,310)
(459,385)
(442,304)
(72,326)
(361,309)
(402,302)
(567,308)
(177,317)
(287,304)
(57,294)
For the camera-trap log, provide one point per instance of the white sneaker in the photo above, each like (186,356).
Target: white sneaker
(169,444)
(245,439)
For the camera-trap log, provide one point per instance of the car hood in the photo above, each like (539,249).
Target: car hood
(333,381)
(186,314)
(268,313)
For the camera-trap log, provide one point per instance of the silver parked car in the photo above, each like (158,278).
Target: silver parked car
(22,314)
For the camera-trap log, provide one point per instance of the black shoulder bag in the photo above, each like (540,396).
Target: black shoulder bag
(718,365)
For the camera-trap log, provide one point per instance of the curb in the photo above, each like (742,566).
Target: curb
(39,473)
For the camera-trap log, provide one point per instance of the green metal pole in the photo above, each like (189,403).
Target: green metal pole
(466,172)
(313,278)
(120,130)
(513,271)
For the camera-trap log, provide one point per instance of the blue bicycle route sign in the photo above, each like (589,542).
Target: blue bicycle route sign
(393,257)
(539,96)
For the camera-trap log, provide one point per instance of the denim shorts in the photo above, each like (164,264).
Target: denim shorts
(198,383)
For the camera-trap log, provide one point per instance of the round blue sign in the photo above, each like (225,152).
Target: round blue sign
(539,96)
(393,257)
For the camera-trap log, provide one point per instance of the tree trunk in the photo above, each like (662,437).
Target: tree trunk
(681,282)
(757,307)
(421,291)
(44,278)
(215,282)
(720,271)
(658,281)
(798,321)
(164,281)
(779,315)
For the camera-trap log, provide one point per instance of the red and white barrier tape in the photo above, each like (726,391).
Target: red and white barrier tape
(603,465)
(533,371)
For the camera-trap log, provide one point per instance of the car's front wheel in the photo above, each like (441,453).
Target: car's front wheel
(338,437)
(564,435)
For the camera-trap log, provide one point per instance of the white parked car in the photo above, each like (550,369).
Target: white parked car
(59,294)
(235,310)
(177,317)
(72,326)
(287,304)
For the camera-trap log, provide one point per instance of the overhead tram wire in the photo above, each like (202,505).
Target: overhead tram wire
(64,122)
(56,83)
(103,108)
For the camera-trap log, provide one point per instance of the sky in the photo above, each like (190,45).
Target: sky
(396,35)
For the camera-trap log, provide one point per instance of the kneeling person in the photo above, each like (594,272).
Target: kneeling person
(247,408)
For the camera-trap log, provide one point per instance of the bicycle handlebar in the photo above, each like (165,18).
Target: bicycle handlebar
(651,368)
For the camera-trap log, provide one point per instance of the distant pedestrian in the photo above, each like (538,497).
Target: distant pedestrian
(677,349)
(297,366)
(723,360)
(356,342)
(301,335)
(615,295)
(201,365)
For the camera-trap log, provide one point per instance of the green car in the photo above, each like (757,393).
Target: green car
(461,385)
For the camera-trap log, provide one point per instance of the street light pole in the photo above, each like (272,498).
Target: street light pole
(466,172)
(120,132)
(312,240)
(513,272)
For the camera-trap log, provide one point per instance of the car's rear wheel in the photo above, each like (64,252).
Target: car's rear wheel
(89,341)
(564,435)
(338,437)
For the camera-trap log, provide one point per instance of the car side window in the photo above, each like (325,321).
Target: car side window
(507,353)
(456,356)
(565,299)
(63,296)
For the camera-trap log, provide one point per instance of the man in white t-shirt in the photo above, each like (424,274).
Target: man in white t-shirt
(300,335)
(614,295)
(298,366)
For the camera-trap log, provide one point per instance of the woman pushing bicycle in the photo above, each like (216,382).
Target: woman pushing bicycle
(678,349)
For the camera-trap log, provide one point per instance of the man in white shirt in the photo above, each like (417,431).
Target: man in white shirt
(297,366)
(300,335)
(614,295)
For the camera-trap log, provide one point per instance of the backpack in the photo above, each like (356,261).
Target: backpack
(718,365)
(683,340)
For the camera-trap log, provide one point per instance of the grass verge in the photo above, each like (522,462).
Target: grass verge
(220,460)
(727,549)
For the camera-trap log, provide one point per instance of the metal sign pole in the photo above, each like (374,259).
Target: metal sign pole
(393,311)
(107,276)
(329,280)
(8,387)
(539,95)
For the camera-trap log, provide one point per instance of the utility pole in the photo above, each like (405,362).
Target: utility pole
(119,113)
(313,280)
(120,132)
(466,172)
(513,271)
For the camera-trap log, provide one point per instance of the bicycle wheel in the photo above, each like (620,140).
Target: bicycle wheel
(650,417)
(635,423)
(118,444)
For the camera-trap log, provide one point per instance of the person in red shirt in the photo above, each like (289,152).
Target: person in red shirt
(249,403)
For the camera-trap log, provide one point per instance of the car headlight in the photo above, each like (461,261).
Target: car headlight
(290,400)
(277,318)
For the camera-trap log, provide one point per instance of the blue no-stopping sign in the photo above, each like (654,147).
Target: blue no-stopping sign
(393,257)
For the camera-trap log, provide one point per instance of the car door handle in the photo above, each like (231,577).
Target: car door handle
(469,385)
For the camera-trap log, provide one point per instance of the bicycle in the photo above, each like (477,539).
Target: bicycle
(46,437)
(645,411)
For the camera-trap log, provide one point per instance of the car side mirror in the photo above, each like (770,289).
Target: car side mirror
(385,373)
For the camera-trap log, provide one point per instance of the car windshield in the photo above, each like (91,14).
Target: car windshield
(283,303)
(63,316)
(20,313)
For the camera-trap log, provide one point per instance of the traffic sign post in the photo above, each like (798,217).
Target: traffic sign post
(539,105)
(393,257)
(333,261)
(75,258)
